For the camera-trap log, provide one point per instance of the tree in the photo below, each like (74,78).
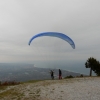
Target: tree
(94,65)
(97,69)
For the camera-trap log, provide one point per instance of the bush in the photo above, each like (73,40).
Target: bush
(81,75)
(70,76)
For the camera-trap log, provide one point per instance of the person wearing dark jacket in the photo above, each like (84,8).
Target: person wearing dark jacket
(60,74)
(52,74)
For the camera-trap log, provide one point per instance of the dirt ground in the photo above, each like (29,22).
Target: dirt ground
(86,88)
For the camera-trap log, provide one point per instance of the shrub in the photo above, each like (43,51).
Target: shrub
(81,75)
(70,76)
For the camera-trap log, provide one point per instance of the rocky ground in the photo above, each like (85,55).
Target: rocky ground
(86,88)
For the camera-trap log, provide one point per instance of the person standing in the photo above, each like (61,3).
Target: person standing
(52,74)
(60,74)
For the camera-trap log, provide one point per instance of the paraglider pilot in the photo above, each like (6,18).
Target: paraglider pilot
(60,74)
(52,74)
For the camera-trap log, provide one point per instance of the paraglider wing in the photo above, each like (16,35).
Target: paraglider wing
(55,34)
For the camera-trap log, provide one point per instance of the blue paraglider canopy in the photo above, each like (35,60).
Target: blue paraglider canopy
(55,34)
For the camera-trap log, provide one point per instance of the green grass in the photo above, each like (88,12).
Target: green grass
(32,81)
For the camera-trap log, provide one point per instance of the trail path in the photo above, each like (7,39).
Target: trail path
(87,88)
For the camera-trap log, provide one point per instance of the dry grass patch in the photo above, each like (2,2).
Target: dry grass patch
(3,88)
(10,93)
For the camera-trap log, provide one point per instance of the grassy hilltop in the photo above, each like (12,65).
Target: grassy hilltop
(85,88)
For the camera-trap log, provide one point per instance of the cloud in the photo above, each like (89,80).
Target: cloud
(20,20)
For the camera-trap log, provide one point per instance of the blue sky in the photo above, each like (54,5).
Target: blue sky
(22,19)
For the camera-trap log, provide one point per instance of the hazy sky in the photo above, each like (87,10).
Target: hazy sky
(22,19)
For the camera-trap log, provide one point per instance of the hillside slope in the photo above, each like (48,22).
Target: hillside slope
(25,72)
(86,88)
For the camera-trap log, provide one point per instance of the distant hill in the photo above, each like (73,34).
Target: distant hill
(25,72)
